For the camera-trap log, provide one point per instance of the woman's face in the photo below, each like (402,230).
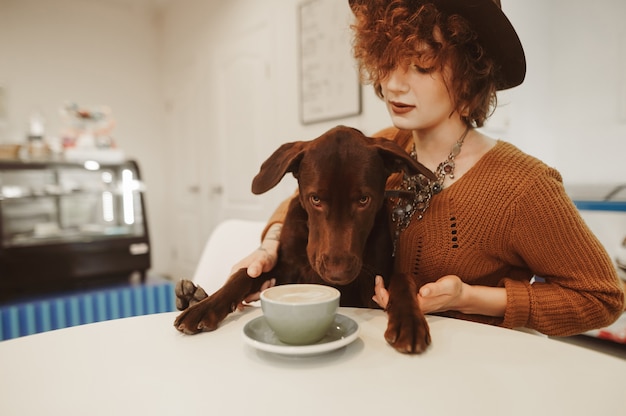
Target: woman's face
(417,97)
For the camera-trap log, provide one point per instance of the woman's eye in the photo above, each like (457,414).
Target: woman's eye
(423,70)
(364,200)
(315,200)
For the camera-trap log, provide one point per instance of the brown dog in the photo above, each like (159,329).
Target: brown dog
(335,233)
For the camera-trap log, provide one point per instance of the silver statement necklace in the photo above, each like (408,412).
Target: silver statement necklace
(416,191)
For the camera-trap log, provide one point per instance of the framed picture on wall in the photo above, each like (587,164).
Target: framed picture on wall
(329,81)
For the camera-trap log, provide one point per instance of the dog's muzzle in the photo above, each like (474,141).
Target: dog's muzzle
(338,270)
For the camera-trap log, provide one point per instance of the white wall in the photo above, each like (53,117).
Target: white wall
(192,32)
(589,75)
(570,112)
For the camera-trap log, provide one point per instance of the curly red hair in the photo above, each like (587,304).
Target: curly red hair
(388,34)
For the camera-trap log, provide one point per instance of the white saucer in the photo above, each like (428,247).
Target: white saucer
(259,335)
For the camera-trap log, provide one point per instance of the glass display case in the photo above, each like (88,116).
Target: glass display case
(66,223)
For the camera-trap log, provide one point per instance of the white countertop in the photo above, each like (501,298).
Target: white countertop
(143,366)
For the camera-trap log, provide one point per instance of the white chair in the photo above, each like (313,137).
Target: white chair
(230,241)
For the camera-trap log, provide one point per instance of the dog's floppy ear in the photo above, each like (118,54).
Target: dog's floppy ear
(285,159)
(397,160)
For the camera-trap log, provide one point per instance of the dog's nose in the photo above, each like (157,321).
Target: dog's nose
(339,270)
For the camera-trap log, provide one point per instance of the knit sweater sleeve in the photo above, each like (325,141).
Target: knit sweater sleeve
(579,289)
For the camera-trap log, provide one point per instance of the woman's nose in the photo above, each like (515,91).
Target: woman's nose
(396,81)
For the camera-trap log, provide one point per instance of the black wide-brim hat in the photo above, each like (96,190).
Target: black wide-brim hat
(495,32)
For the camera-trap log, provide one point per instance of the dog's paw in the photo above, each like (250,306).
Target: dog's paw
(201,316)
(408,333)
(187,293)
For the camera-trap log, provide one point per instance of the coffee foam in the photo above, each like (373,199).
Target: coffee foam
(301,294)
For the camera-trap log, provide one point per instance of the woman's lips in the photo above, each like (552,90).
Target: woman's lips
(400,108)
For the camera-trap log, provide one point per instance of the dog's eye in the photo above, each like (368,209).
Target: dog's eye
(315,200)
(364,200)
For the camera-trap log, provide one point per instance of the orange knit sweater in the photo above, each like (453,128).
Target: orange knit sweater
(503,222)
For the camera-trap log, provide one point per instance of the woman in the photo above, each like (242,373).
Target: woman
(495,239)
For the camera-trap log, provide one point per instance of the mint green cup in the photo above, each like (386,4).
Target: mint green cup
(300,314)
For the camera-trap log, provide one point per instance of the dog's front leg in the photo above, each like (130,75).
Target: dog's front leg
(206,314)
(407,329)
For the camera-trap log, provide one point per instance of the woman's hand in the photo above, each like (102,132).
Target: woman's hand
(256,296)
(443,295)
(262,260)
(446,294)
(450,293)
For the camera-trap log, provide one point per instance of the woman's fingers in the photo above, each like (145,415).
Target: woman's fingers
(381,296)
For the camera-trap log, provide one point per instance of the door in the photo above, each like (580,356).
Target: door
(187,189)
(245,118)
(221,119)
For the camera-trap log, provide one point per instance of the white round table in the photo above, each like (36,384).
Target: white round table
(143,366)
